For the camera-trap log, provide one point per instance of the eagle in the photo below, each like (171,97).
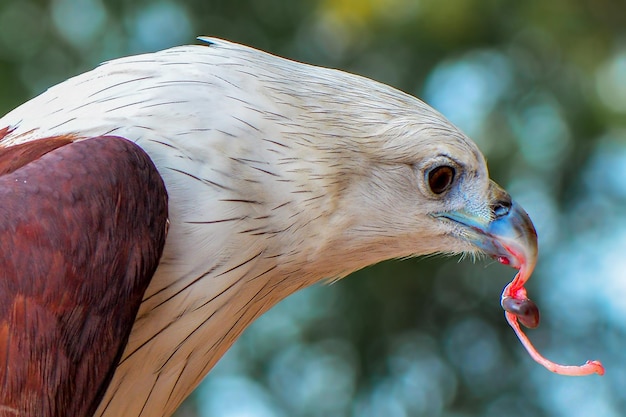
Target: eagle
(155,206)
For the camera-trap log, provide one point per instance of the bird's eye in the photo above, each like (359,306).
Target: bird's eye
(440,178)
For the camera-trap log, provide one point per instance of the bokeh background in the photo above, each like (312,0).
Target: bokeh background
(539,85)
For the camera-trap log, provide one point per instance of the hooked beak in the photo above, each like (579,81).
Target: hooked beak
(508,235)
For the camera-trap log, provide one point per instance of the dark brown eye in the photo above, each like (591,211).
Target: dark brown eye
(440,178)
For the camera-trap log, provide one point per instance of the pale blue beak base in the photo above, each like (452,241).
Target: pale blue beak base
(510,237)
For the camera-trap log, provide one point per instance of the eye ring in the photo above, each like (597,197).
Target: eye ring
(440,178)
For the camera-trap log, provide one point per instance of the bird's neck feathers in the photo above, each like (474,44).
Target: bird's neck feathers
(275,172)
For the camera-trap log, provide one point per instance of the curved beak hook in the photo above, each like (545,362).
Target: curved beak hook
(508,235)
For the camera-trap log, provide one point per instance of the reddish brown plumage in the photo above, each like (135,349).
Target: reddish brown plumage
(5,131)
(82,227)
(19,155)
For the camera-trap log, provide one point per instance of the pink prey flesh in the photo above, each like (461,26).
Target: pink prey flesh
(515,289)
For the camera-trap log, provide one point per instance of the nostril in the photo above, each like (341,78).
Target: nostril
(501,208)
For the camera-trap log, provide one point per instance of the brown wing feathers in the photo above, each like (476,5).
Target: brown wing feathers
(82,227)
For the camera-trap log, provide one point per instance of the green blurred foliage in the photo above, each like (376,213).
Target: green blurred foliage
(539,85)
